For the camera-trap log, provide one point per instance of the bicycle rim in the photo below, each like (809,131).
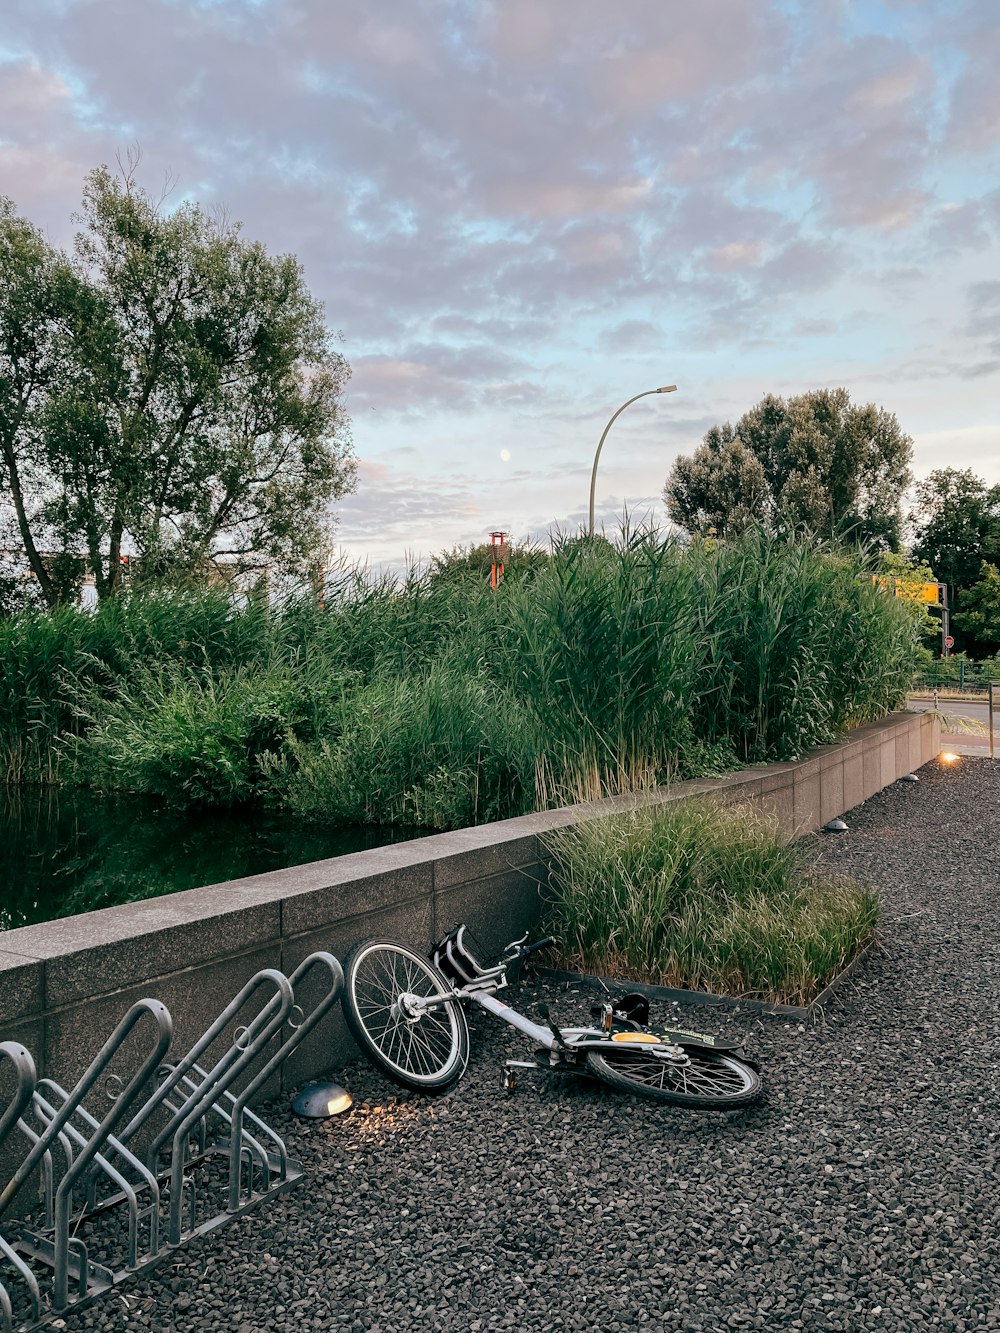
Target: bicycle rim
(710,1081)
(427,1053)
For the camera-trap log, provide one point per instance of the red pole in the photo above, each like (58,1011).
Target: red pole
(498,542)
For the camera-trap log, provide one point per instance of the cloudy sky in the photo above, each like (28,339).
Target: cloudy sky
(520,213)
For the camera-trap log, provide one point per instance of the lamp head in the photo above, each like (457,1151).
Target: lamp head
(668,388)
(320,1101)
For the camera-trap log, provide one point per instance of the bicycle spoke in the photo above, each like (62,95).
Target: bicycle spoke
(697,1077)
(420,1046)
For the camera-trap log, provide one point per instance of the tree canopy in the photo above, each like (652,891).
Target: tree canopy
(816,462)
(956,525)
(956,530)
(978,620)
(170,390)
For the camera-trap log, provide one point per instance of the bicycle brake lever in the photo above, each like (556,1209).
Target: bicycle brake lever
(550,1023)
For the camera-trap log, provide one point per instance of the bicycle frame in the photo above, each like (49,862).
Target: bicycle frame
(391,990)
(542,1036)
(568,1044)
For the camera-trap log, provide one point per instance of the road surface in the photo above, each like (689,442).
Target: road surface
(973,712)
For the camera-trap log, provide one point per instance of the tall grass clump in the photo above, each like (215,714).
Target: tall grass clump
(605,650)
(195,737)
(616,667)
(798,644)
(48,657)
(442,751)
(703,897)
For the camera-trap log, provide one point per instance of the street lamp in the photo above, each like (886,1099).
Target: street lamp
(669,388)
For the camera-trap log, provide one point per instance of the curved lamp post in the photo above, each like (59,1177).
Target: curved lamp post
(669,388)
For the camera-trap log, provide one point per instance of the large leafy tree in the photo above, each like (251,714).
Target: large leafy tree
(815,462)
(41,302)
(979,616)
(721,488)
(172,390)
(956,526)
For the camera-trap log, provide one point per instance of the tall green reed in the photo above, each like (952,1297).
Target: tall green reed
(620,664)
(702,897)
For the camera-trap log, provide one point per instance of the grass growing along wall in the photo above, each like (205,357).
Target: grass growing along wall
(697,896)
(439,702)
(50,659)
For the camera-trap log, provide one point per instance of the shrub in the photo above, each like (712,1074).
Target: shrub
(443,751)
(703,897)
(194,738)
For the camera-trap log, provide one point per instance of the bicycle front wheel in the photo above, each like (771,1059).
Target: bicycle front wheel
(709,1081)
(423,1049)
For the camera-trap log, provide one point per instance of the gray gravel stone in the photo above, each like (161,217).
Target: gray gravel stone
(862,1194)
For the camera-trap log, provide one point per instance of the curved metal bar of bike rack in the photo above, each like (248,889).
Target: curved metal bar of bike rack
(29,1280)
(153,1057)
(222,1109)
(309,1021)
(164,1029)
(221,1073)
(259,1032)
(47,1165)
(128,1190)
(24,1067)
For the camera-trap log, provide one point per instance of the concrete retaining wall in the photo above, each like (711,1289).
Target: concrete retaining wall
(64,984)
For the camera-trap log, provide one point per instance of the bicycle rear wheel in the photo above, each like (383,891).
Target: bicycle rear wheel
(426,1050)
(710,1081)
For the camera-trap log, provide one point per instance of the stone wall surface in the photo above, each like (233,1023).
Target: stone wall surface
(64,984)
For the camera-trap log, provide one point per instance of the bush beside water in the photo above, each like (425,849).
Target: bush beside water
(438,702)
(705,898)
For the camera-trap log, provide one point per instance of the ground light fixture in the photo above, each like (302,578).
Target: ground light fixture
(667,388)
(949,757)
(321,1101)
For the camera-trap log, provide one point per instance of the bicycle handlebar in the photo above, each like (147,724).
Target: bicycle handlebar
(524,949)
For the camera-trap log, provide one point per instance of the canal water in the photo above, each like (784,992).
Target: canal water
(64,851)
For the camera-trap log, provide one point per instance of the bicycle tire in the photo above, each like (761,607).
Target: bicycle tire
(426,1054)
(713,1081)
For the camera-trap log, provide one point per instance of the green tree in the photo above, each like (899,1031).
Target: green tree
(722,487)
(816,462)
(956,526)
(978,616)
(173,391)
(41,299)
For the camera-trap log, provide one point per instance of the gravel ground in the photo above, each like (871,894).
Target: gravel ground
(861,1194)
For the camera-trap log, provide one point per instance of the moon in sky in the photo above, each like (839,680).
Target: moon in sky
(505,455)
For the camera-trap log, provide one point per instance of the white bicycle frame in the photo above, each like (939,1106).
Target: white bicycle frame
(570,1042)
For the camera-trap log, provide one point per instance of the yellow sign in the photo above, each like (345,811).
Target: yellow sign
(928,594)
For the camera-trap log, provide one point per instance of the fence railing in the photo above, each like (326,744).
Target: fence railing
(957,674)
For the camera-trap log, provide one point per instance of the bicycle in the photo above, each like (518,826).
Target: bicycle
(405,1013)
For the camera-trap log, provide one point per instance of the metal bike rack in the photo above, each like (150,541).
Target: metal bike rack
(131,1172)
(55,1248)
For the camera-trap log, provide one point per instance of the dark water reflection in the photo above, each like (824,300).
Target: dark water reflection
(64,851)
